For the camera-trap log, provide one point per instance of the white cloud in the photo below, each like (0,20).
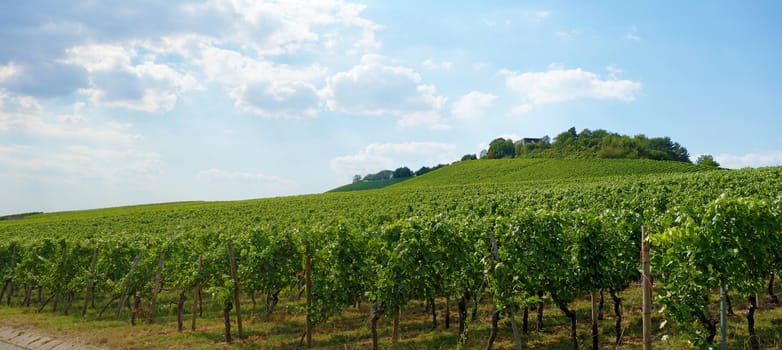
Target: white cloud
(70,147)
(146,60)
(24,115)
(522,109)
(221,184)
(291,26)
(78,163)
(613,71)
(543,14)
(559,85)
(9,70)
(380,156)
(431,119)
(255,84)
(434,65)
(472,105)
(376,88)
(115,81)
(633,34)
(65,145)
(293,99)
(737,161)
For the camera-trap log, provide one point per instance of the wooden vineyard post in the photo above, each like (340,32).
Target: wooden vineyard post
(646,286)
(595,313)
(197,293)
(395,332)
(723,318)
(129,284)
(236,290)
(10,282)
(91,283)
(156,289)
(308,291)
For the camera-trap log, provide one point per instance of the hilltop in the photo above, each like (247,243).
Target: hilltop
(529,170)
(569,144)
(543,170)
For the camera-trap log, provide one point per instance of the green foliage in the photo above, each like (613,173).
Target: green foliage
(501,148)
(725,244)
(707,160)
(403,172)
(603,144)
(562,227)
(368,185)
(469,157)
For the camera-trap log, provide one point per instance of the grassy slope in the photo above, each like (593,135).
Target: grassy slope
(529,171)
(368,185)
(532,170)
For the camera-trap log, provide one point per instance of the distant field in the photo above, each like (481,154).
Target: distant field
(368,185)
(529,170)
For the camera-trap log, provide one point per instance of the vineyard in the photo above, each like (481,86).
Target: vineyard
(501,243)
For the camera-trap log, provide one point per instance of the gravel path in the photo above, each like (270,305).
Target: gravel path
(15,339)
(7,346)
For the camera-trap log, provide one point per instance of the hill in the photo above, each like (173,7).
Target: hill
(533,170)
(368,185)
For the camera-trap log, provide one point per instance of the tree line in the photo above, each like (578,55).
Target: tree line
(399,173)
(591,144)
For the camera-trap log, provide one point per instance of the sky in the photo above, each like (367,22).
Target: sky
(108,103)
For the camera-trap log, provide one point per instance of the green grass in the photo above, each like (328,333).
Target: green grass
(368,185)
(350,329)
(524,172)
(537,170)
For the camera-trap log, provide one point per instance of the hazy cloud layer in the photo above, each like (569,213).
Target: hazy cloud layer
(380,156)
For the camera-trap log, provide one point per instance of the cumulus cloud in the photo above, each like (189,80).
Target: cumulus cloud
(116,81)
(43,78)
(737,161)
(255,84)
(278,99)
(9,70)
(290,26)
(559,85)
(25,116)
(376,88)
(119,56)
(472,105)
(380,156)
(70,147)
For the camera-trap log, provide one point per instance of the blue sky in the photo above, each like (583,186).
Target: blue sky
(112,103)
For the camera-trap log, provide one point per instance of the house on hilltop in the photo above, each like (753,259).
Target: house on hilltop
(526,140)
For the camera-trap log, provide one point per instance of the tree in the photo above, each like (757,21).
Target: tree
(501,148)
(423,170)
(707,160)
(356,178)
(469,157)
(565,137)
(402,172)
(381,175)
